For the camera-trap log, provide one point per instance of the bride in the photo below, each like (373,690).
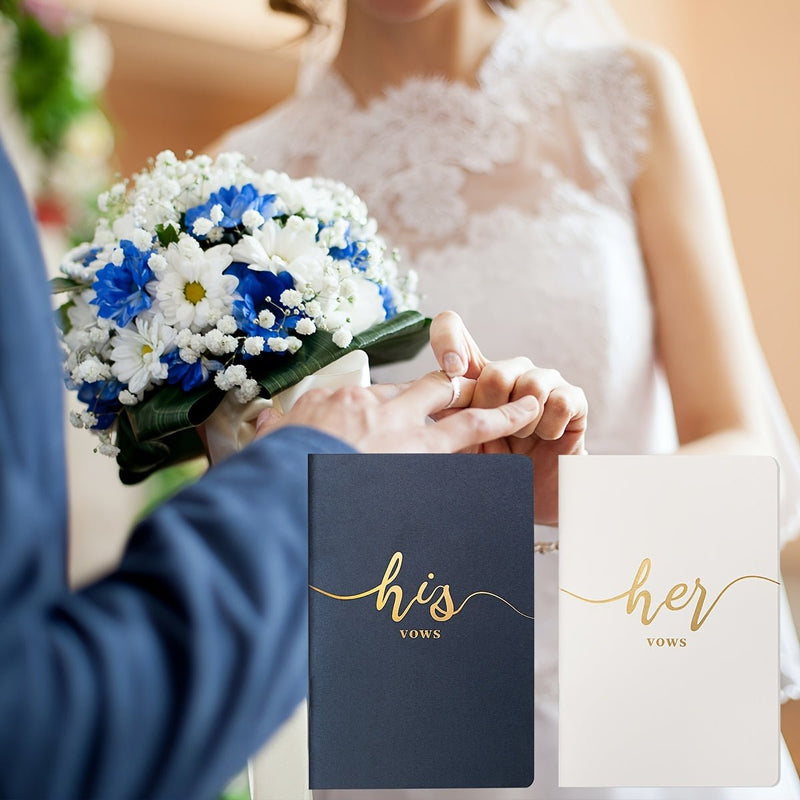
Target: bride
(550,181)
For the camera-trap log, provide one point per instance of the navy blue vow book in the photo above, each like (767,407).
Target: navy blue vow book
(420,621)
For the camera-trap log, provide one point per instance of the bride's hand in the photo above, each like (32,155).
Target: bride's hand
(559,426)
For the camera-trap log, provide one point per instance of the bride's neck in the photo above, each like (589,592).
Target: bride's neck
(450,42)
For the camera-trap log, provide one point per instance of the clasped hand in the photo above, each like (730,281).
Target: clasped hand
(478,405)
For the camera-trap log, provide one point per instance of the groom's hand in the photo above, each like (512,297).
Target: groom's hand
(390,418)
(396,418)
(559,427)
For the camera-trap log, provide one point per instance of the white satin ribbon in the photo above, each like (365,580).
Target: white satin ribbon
(279,771)
(233,425)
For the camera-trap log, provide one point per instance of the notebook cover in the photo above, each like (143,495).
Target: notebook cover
(668,621)
(442,696)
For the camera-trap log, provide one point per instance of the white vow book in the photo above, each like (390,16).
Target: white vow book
(668,621)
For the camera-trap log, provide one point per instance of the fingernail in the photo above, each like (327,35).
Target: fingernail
(453,365)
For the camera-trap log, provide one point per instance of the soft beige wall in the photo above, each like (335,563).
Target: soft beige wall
(742,61)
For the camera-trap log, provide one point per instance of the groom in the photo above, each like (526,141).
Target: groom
(160,679)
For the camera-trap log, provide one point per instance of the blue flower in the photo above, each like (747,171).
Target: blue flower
(121,293)
(90,256)
(255,287)
(354,251)
(234,202)
(101,399)
(188,375)
(389,305)
(259,284)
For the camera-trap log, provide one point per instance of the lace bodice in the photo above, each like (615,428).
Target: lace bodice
(512,201)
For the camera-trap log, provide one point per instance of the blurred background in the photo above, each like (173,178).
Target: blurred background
(176,75)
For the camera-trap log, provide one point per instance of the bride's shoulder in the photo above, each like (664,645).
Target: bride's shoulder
(652,66)
(670,99)
(668,93)
(658,67)
(614,92)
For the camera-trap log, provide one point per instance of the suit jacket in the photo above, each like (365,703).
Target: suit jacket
(159,680)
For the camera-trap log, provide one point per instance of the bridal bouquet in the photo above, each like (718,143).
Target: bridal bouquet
(206,278)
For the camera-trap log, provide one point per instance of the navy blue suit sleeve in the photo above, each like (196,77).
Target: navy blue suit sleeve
(159,680)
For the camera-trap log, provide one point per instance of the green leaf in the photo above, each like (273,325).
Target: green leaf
(171,409)
(62,317)
(396,339)
(167,234)
(167,482)
(400,347)
(58,285)
(139,459)
(161,431)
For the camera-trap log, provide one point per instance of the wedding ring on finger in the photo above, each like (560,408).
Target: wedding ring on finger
(456,392)
(462,389)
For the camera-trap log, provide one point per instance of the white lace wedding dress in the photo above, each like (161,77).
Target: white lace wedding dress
(512,201)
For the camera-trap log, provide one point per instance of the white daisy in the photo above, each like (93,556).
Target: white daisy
(293,247)
(359,307)
(294,195)
(80,313)
(136,353)
(193,290)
